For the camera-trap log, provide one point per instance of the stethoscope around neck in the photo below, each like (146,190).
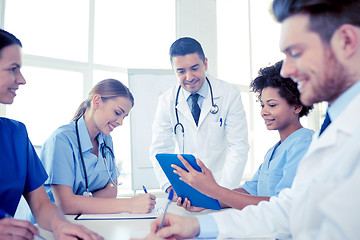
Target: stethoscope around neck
(87,193)
(214,110)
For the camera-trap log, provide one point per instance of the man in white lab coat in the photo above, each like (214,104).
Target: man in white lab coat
(217,135)
(321,42)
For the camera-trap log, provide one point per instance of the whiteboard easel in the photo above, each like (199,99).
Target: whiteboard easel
(146,85)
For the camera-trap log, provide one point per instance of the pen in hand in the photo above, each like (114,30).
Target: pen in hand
(4,214)
(170,197)
(144,189)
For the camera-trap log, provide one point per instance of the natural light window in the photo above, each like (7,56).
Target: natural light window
(70,45)
(134,34)
(249,44)
(56,29)
(47,101)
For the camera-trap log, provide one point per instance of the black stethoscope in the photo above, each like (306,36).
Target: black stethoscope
(87,193)
(214,109)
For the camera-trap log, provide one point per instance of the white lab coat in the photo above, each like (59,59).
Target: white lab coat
(220,140)
(324,201)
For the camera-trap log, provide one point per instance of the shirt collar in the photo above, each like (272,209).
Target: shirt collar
(85,140)
(336,108)
(203,91)
(101,139)
(84,135)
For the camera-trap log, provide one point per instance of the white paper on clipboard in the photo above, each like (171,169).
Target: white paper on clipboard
(121,216)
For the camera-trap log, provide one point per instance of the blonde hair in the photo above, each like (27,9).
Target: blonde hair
(107,89)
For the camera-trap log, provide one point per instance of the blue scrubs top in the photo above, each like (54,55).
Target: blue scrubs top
(20,168)
(61,158)
(279,167)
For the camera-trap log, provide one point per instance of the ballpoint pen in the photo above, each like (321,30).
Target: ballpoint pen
(4,214)
(170,197)
(144,189)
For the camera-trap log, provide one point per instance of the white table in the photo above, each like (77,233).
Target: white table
(125,229)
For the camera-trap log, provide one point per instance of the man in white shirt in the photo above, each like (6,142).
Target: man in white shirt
(211,126)
(321,42)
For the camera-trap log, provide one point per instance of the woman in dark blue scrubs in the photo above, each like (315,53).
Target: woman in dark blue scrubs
(21,172)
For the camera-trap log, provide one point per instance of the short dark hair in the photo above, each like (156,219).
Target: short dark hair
(7,39)
(270,77)
(325,15)
(184,46)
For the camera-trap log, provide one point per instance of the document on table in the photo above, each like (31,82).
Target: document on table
(118,216)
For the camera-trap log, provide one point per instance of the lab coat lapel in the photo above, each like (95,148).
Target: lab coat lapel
(205,109)
(206,105)
(184,109)
(325,141)
(85,140)
(345,123)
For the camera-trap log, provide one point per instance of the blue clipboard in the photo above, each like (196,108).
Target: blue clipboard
(181,188)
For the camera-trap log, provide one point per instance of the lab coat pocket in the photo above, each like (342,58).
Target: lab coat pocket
(216,134)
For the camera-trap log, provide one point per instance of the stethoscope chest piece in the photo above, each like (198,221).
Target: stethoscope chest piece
(87,194)
(214,109)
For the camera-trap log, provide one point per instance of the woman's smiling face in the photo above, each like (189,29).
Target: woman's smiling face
(111,113)
(276,111)
(10,75)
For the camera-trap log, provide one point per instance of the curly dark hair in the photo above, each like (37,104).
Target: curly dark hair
(270,77)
